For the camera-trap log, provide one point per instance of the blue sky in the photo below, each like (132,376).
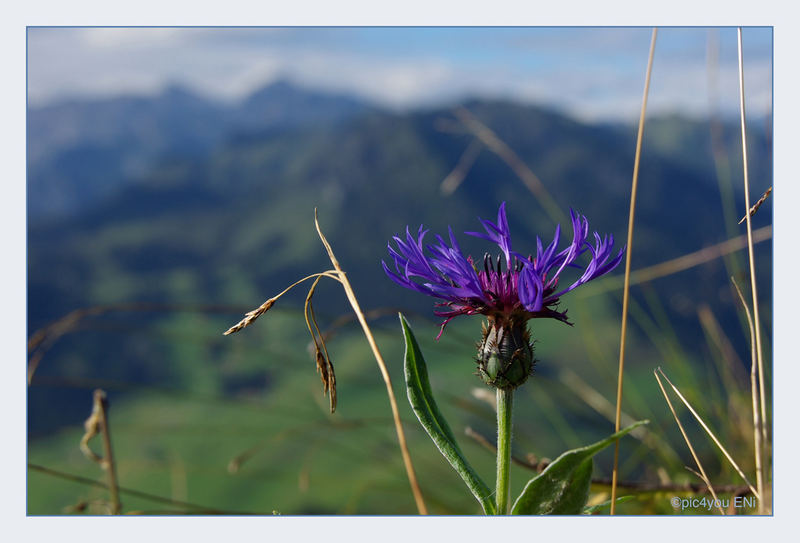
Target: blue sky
(592,73)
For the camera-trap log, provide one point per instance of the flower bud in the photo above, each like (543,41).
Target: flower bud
(505,355)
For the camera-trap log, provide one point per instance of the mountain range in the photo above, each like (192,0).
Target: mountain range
(176,199)
(80,151)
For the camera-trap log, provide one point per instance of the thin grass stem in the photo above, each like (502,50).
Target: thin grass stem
(251,316)
(97,423)
(757,422)
(323,359)
(702,473)
(719,152)
(401,438)
(193,507)
(675,265)
(45,337)
(626,288)
(756,320)
(456,177)
(711,435)
(507,155)
(601,405)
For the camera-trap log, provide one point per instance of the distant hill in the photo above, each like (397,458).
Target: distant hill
(81,151)
(227,217)
(283,104)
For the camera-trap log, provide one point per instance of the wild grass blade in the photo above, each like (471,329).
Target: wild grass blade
(757,422)
(751,258)
(599,403)
(251,316)
(626,288)
(191,507)
(719,151)
(401,437)
(97,424)
(710,434)
(702,473)
(507,155)
(733,375)
(675,265)
(456,177)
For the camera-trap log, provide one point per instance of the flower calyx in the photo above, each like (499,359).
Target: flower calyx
(505,354)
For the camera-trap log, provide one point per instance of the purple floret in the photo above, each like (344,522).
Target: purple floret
(526,289)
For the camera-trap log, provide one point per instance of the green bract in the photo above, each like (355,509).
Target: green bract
(505,356)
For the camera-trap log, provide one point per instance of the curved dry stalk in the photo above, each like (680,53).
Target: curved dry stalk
(251,316)
(97,424)
(757,422)
(730,360)
(702,473)
(347,318)
(507,155)
(195,508)
(455,177)
(401,438)
(626,288)
(675,265)
(711,435)
(44,338)
(751,258)
(324,363)
(601,405)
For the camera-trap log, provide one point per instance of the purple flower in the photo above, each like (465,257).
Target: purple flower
(526,288)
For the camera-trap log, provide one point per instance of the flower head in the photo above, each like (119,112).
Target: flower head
(526,288)
(512,288)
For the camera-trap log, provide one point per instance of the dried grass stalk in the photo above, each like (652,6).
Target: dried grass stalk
(401,437)
(702,473)
(626,287)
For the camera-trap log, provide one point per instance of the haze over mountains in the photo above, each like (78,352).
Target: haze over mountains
(82,150)
(177,199)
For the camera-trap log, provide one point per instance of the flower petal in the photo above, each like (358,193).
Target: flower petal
(497,233)
(530,288)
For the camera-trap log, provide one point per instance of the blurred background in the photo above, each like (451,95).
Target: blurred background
(172,179)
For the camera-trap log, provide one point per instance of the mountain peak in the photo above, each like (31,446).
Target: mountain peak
(178,90)
(285,102)
(288,90)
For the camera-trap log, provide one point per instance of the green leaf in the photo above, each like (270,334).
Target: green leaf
(590,510)
(563,487)
(424,406)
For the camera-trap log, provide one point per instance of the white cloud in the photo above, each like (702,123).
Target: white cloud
(131,37)
(397,83)
(594,73)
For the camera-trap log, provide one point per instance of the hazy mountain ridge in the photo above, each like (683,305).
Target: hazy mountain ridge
(378,167)
(234,224)
(81,151)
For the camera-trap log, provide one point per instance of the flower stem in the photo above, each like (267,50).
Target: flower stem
(504,408)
